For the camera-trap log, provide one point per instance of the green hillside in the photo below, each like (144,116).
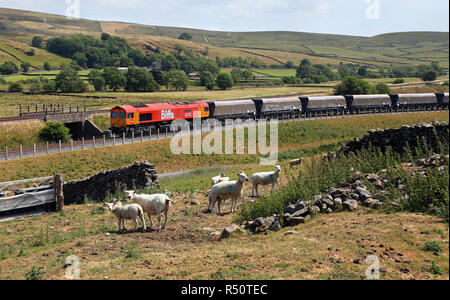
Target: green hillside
(387,49)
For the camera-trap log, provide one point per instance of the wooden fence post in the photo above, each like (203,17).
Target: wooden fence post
(6,153)
(59,192)
(20,151)
(60,146)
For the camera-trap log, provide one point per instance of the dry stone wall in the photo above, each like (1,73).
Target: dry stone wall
(98,186)
(399,138)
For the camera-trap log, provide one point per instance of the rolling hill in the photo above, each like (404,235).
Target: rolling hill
(269,47)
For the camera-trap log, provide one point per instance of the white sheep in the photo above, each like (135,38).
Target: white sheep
(226,190)
(221,178)
(153,205)
(296,162)
(127,212)
(266,178)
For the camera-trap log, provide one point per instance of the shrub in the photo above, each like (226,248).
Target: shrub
(429,75)
(354,86)
(207,79)
(436,270)
(47,66)
(433,246)
(37,42)
(139,80)
(131,251)
(8,68)
(34,274)
(382,88)
(97,80)
(399,81)
(35,87)
(69,81)
(224,81)
(25,67)
(176,79)
(54,132)
(15,87)
(426,194)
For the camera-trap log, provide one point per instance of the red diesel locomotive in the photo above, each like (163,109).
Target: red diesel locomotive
(130,118)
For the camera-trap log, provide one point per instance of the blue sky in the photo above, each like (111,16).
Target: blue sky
(352,17)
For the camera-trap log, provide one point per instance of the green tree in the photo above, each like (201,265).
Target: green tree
(139,80)
(15,87)
(289,65)
(25,67)
(176,79)
(68,81)
(224,81)
(207,79)
(362,71)
(8,68)
(236,74)
(354,86)
(210,66)
(429,75)
(47,66)
(54,132)
(247,74)
(382,88)
(80,59)
(185,36)
(305,62)
(48,86)
(35,87)
(114,79)
(97,80)
(170,62)
(37,42)
(158,76)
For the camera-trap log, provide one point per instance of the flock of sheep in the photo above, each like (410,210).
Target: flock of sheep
(222,190)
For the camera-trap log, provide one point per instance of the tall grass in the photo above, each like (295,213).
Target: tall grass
(12,135)
(425,194)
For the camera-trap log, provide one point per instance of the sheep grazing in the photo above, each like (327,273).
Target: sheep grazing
(127,212)
(265,179)
(221,178)
(226,190)
(152,205)
(296,162)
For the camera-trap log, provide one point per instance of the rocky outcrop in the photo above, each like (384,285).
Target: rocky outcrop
(364,190)
(98,186)
(399,138)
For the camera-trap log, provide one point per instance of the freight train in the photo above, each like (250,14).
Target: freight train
(146,117)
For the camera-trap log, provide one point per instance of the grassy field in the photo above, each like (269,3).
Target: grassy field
(305,138)
(24,133)
(38,246)
(185,251)
(18,49)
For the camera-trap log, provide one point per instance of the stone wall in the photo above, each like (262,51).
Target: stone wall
(98,186)
(399,138)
